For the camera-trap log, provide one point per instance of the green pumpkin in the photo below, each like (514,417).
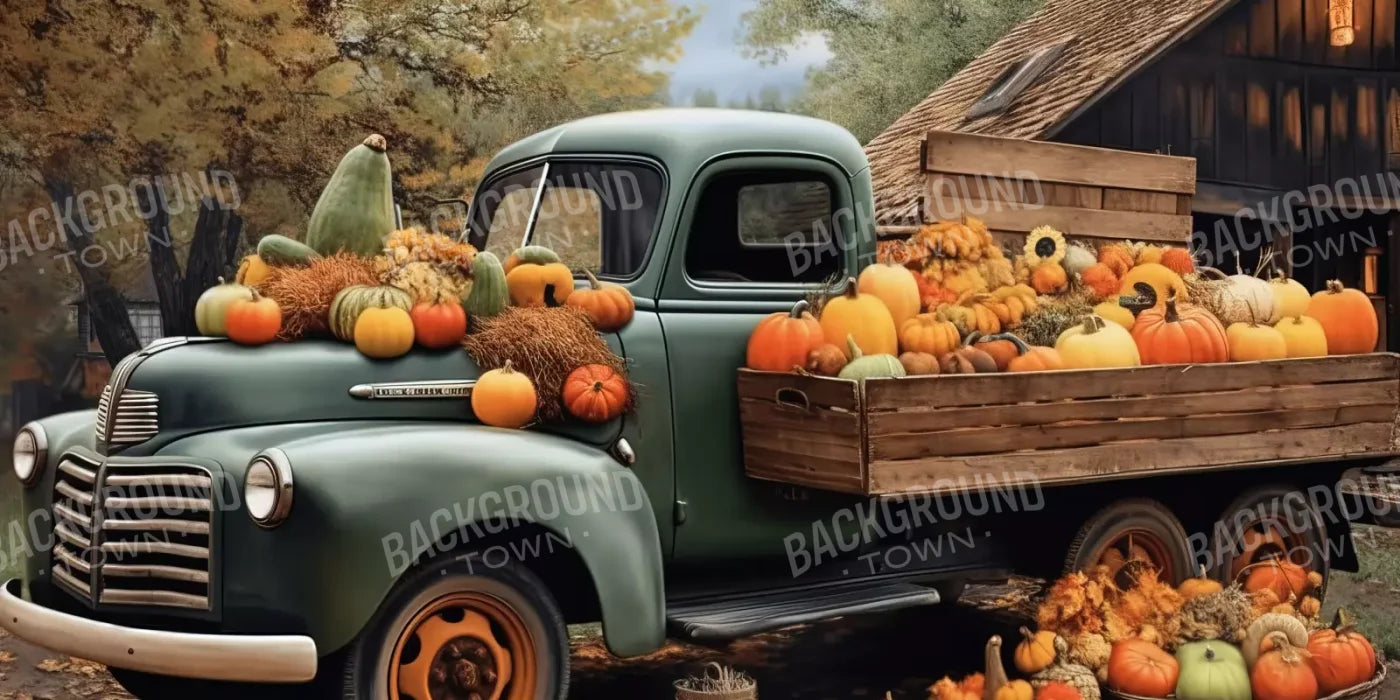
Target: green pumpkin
(489,294)
(350,302)
(280,250)
(864,366)
(213,304)
(356,210)
(531,254)
(1212,670)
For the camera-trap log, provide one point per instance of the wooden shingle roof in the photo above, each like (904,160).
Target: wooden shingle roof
(1109,40)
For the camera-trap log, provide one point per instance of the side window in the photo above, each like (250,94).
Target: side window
(752,227)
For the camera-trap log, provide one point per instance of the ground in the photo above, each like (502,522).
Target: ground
(866,657)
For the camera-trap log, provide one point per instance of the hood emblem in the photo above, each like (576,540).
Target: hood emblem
(437,389)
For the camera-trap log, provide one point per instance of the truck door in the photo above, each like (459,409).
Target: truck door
(755,235)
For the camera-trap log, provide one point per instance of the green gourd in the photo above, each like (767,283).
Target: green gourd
(279,250)
(532,254)
(213,304)
(864,366)
(356,209)
(489,294)
(1212,670)
(352,301)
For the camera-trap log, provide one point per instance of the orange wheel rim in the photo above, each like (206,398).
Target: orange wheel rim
(1264,540)
(1136,542)
(464,646)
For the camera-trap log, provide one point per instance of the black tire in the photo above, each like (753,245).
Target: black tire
(1132,514)
(366,665)
(146,686)
(1297,515)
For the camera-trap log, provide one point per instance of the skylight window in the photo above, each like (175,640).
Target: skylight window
(1015,79)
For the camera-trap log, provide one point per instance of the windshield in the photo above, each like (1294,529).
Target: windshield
(598,216)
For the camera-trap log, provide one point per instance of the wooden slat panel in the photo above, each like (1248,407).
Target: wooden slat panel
(1075,221)
(847,453)
(1235,26)
(951,152)
(1315,31)
(1201,98)
(1367,139)
(1259,145)
(1290,29)
(1139,200)
(1074,196)
(988,441)
(1262,29)
(1340,158)
(1359,53)
(1233,132)
(820,391)
(993,389)
(1092,463)
(1383,35)
(1179,405)
(765,412)
(1147,113)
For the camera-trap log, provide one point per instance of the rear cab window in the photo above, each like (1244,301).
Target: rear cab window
(764,226)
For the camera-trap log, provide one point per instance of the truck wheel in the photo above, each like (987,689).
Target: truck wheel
(1134,528)
(1265,522)
(452,630)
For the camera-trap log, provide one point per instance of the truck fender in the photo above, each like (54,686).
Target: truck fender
(373,500)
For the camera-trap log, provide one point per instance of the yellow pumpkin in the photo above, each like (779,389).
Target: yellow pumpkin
(929,334)
(1036,651)
(1097,343)
(893,284)
(527,283)
(384,332)
(252,271)
(1303,336)
(1290,297)
(860,316)
(1253,341)
(1111,310)
(1199,586)
(504,398)
(1015,690)
(1162,280)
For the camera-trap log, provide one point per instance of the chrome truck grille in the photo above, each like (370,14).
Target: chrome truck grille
(133,533)
(132,418)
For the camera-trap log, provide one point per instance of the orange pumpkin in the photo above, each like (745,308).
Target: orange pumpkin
(1348,318)
(917,363)
(1003,347)
(1178,334)
(1117,257)
(1036,358)
(1283,673)
(1049,278)
(1056,690)
(596,393)
(529,283)
(860,316)
(610,306)
(1281,576)
(1340,658)
(253,321)
(383,332)
(1138,667)
(1178,260)
(893,284)
(826,360)
(783,340)
(504,398)
(930,334)
(1201,585)
(1100,279)
(439,325)
(966,360)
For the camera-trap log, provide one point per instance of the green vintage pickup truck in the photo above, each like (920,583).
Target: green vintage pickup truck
(299,514)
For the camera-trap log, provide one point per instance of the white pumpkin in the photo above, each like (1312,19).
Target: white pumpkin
(1290,298)
(213,304)
(1254,296)
(1078,259)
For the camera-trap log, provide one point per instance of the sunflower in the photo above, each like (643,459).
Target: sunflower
(1044,245)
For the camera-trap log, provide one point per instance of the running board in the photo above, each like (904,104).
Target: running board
(740,616)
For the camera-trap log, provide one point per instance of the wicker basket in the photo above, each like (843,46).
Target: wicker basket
(1370,690)
(736,686)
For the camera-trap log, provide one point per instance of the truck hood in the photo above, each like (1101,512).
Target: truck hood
(211,385)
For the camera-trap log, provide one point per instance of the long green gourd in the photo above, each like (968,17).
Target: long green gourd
(356,209)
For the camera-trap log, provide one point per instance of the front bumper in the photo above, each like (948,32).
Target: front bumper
(253,659)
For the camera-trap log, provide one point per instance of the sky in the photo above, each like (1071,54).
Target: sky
(714,60)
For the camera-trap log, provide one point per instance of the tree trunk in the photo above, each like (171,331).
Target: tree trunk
(213,247)
(106,307)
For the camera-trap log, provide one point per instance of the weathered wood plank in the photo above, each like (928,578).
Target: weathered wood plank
(975,154)
(1119,199)
(1315,31)
(1084,196)
(821,453)
(1359,53)
(1004,440)
(1263,35)
(818,391)
(1290,29)
(1383,35)
(1076,221)
(1367,138)
(791,469)
(993,389)
(1178,405)
(1259,133)
(1093,463)
(767,413)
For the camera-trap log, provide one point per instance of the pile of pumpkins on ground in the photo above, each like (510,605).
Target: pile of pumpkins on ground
(949,301)
(415,289)
(1223,643)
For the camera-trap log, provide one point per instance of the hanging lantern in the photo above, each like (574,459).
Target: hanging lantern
(1339,22)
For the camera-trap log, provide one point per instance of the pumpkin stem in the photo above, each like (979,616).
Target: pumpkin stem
(221,279)
(856,354)
(1334,287)
(377,142)
(850,292)
(799,308)
(1171,315)
(593,282)
(1210,654)
(507,368)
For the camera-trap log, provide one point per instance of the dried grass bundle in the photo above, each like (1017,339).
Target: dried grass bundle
(1053,315)
(544,343)
(305,293)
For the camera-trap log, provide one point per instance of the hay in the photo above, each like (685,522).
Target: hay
(305,293)
(1053,316)
(544,343)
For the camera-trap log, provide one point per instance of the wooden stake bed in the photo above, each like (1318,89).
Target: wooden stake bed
(950,433)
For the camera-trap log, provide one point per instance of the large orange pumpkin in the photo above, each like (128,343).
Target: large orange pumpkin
(1138,667)
(595,393)
(1347,316)
(1341,658)
(610,306)
(504,398)
(783,340)
(893,284)
(1178,334)
(1283,673)
(860,316)
(1003,347)
(1280,575)
(529,283)
(253,321)
(1056,690)
(440,325)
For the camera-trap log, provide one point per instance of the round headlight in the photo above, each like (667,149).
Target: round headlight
(267,488)
(31,452)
